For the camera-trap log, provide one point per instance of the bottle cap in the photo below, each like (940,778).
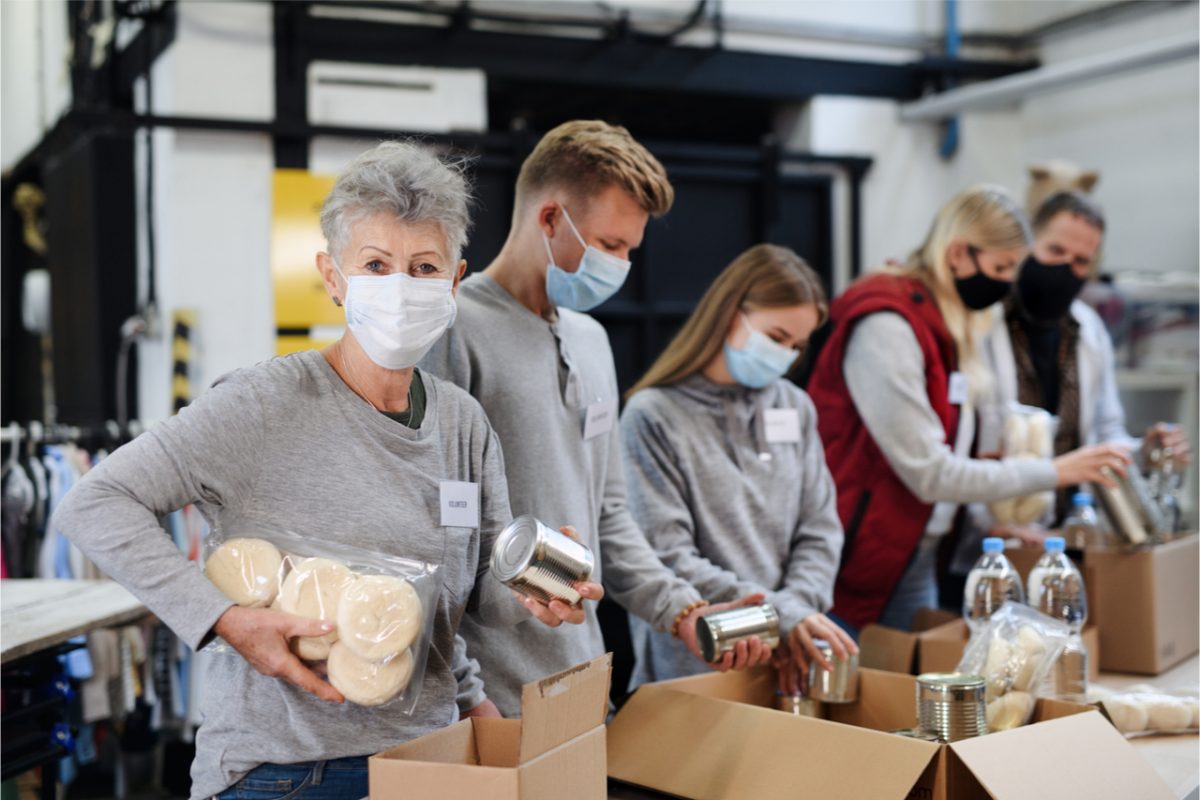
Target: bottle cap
(993,544)
(1055,544)
(1081,499)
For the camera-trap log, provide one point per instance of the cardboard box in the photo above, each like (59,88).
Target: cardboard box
(893,650)
(1145,603)
(556,749)
(943,647)
(715,737)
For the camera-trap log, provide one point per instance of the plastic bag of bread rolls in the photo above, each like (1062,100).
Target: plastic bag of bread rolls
(1028,433)
(1014,651)
(382,607)
(1144,710)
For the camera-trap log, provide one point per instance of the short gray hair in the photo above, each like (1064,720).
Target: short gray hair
(406,180)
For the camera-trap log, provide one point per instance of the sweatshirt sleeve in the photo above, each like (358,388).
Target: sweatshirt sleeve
(206,455)
(634,576)
(658,499)
(816,547)
(885,373)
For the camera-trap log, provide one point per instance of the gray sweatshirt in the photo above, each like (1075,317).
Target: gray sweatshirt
(536,380)
(885,373)
(728,504)
(286,444)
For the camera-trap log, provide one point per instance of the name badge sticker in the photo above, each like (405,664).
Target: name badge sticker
(958,388)
(601,416)
(460,504)
(782,425)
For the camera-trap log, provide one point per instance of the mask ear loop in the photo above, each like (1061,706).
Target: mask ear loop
(574,230)
(337,301)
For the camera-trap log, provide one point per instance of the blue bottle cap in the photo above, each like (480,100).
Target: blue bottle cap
(993,544)
(1081,499)
(1055,544)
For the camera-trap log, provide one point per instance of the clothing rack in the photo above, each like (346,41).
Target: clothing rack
(37,433)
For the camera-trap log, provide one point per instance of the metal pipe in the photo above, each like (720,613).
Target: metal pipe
(1005,91)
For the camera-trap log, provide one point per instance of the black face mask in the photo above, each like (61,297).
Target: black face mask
(1045,291)
(979,290)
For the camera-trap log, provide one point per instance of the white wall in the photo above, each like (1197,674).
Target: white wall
(35,79)
(212,199)
(1141,132)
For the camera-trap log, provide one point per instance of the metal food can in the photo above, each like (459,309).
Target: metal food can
(916,733)
(952,705)
(797,705)
(1130,506)
(837,685)
(540,562)
(718,633)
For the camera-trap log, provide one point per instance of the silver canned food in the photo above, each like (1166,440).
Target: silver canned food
(797,705)
(718,633)
(917,733)
(951,705)
(540,562)
(837,685)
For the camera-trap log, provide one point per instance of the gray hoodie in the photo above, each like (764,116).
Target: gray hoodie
(728,505)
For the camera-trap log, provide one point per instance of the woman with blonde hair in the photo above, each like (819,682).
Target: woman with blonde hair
(896,384)
(726,474)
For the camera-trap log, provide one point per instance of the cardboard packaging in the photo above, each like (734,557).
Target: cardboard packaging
(1145,603)
(892,650)
(715,737)
(943,647)
(556,749)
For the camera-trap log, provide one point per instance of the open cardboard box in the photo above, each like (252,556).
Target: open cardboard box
(943,647)
(893,650)
(556,749)
(716,737)
(1145,602)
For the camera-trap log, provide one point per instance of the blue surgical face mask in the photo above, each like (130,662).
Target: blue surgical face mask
(760,361)
(598,277)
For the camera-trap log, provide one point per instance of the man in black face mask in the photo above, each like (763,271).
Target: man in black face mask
(1050,350)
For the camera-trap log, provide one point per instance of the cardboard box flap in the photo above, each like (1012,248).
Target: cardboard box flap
(559,708)
(736,750)
(886,649)
(1079,755)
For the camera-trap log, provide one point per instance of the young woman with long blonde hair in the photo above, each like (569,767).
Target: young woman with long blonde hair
(726,474)
(895,385)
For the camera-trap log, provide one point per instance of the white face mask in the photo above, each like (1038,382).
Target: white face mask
(597,278)
(398,318)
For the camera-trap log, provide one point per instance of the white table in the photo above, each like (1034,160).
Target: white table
(39,614)
(1175,758)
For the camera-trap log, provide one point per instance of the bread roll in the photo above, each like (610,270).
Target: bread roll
(1028,654)
(1016,435)
(1031,508)
(312,589)
(996,670)
(1041,440)
(1165,713)
(246,570)
(365,682)
(1129,716)
(378,616)
(1009,711)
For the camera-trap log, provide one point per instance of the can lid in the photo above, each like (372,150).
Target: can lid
(515,548)
(950,680)
(706,639)
(824,646)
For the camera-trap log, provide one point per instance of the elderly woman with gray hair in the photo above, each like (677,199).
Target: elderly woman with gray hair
(350,445)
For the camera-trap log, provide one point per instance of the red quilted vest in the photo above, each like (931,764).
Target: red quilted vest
(882,519)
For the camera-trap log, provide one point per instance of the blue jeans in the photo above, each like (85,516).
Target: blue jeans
(335,779)
(917,588)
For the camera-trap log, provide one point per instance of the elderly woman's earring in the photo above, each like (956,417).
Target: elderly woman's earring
(337,301)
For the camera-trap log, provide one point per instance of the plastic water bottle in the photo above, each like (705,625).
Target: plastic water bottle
(1082,527)
(1056,589)
(992,581)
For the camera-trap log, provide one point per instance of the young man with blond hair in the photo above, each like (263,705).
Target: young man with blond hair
(543,370)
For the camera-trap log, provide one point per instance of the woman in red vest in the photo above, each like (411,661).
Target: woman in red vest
(896,385)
